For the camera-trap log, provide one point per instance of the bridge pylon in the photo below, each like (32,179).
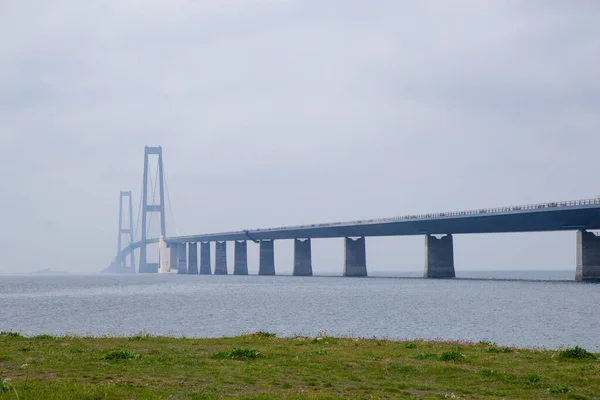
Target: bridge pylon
(152,208)
(121,262)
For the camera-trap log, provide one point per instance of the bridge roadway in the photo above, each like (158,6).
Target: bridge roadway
(579,215)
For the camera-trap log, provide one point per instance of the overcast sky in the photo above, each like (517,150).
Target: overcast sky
(284,112)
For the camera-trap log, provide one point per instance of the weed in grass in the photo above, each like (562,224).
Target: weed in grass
(500,350)
(139,337)
(410,345)
(26,349)
(532,378)
(43,337)
(15,335)
(576,352)
(318,353)
(324,340)
(264,334)
(5,386)
(489,373)
(452,355)
(238,354)
(426,356)
(76,350)
(588,368)
(121,355)
(559,389)
(486,343)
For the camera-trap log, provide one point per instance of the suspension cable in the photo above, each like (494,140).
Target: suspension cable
(153,186)
(170,204)
(137,224)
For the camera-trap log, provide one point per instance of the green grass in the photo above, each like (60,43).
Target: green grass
(262,366)
(121,355)
(237,354)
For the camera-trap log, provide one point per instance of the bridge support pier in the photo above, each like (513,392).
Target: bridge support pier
(205,268)
(174,255)
(356,257)
(241,258)
(221,258)
(266,264)
(588,257)
(302,257)
(182,258)
(439,257)
(192,259)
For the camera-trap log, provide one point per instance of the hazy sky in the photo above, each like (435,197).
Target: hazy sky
(274,113)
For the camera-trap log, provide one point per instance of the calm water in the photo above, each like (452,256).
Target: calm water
(510,312)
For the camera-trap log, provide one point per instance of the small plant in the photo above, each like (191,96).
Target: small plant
(264,334)
(559,389)
(43,337)
(323,340)
(588,368)
(15,335)
(576,352)
(410,345)
(238,354)
(486,343)
(318,353)
(452,355)
(489,372)
(139,337)
(26,349)
(500,350)
(5,386)
(532,378)
(121,355)
(425,356)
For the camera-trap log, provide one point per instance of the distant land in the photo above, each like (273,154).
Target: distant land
(49,271)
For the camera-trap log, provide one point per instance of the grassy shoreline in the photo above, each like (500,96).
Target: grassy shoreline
(262,366)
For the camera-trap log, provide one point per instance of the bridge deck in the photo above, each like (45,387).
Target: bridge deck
(558,216)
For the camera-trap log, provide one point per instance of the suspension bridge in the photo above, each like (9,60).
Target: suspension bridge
(180,253)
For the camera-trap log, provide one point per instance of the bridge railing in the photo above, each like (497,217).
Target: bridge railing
(496,210)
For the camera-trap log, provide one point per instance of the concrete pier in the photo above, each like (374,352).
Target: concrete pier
(182,258)
(173,257)
(193,258)
(152,268)
(221,258)
(356,257)
(266,264)
(588,257)
(439,257)
(302,257)
(241,258)
(205,268)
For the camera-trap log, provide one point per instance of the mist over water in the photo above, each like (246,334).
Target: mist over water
(510,312)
